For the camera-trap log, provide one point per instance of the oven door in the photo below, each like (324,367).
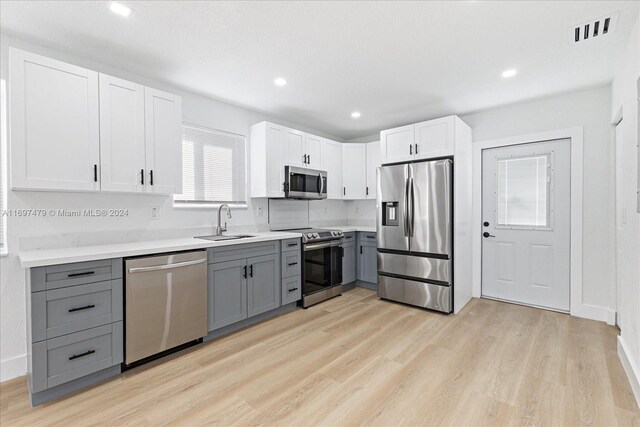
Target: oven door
(304,183)
(322,266)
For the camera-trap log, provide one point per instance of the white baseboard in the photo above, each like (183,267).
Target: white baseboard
(629,368)
(593,312)
(611,320)
(13,368)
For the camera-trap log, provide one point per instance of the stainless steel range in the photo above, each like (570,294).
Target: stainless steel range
(322,265)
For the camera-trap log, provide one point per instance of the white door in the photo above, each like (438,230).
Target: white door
(54,124)
(313,150)
(332,157)
(295,154)
(397,145)
(526,224)
(163,134)
(354,171)
(434,138)
(122,144)
(373,162)
(621,219)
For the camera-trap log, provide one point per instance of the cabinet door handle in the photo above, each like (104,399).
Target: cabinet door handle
(141,176)
(308,159)
(251,270)
(361,249)
(95,173)
(84,273)
(86,307)
(367,191)
(410,149)
(344,191)
(292,264)
(244,274)
(416,148)
(151,177)
(86,353)
(293,289)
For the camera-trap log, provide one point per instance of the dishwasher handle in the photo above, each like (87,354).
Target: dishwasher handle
(167,266)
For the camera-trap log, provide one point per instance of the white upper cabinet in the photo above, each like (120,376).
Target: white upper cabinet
(268,145)
(122,142)
(434,138)
(396,145)
(425,140)
(373,162)
(55,141)
(73,129)
(332,156)
(163,142)
(313,151)
(354,171)
(295,153)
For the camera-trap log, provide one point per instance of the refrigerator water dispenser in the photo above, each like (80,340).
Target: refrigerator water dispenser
(390,213)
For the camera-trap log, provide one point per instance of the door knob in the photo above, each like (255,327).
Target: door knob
(486,234)
(486,223)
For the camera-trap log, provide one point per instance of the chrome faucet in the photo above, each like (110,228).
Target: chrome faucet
(219,228)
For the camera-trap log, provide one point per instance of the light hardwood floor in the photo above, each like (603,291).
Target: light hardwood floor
(358,360)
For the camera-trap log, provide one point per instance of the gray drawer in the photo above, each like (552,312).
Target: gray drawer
(291,264)
(78,273)
(242,251)
(291,289)
(291,245)
(66,310)
(349,237)
(366,237)
(63,359)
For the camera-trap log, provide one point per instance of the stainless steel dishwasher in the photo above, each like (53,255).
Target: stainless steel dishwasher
(165,303)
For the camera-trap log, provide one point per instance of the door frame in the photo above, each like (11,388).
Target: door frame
(575,134)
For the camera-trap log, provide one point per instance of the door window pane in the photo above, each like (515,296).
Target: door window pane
(523,191)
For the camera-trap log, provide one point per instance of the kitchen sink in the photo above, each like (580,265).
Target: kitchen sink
(215,238)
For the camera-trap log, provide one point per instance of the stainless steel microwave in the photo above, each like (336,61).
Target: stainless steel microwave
(303,183)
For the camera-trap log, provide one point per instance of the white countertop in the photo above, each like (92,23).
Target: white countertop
(42,257)
(352,228)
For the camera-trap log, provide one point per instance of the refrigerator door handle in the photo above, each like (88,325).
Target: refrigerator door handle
(411,208)
(405,213)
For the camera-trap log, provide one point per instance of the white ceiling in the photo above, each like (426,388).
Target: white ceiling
(395,62)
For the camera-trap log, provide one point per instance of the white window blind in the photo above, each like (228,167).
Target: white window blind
(523,191)
(3,166)
(213,167)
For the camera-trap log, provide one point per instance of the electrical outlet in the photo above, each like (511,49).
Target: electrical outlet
(260,211)
(155,213)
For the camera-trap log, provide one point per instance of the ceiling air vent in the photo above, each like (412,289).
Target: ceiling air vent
(594,29)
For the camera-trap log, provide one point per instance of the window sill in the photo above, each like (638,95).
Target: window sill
(199,207)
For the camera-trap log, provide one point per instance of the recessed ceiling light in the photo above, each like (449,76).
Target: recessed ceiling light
(355,115)
(509,73)
(120,9)
(280,81)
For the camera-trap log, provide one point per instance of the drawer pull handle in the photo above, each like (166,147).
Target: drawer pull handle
(293,289)
(292,263)
(370,237)
(85,273)
(86,307)
(86,353)
(291,244)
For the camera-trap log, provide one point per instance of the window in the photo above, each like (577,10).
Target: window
(3,166)
(523,191)
(213,167)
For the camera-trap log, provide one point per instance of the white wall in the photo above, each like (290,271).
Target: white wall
(624,92)
(138,225)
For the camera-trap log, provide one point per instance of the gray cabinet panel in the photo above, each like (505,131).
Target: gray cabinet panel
(291,263)
(242,251)
(66,358)
(367,257)
(291,245)
(263,285)
(78,273)
(349,262)
(227,293)
(67,310)
(291,289)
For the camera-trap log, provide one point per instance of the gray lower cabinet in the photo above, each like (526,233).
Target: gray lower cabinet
(227,293)
(263,285)
(367,257)
(75,326)
(349,258)
(244,281)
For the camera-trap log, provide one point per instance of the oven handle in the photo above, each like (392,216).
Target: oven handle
(314,246)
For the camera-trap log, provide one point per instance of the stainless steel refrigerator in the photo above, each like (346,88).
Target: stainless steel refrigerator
(414,225)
